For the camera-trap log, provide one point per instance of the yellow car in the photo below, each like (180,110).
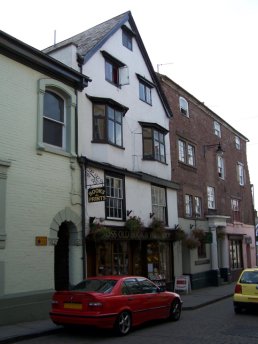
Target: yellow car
(246,290)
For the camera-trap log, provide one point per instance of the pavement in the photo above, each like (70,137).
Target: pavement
(192,300)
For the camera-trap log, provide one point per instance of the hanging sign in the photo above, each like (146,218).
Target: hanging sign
(97,194)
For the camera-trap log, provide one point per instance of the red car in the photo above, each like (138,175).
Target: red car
(116,302)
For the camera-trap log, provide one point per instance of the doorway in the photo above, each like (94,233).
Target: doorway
(61,268)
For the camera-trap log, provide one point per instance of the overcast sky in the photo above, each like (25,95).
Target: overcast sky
(209,47)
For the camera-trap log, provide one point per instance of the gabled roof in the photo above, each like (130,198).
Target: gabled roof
(91,40)
(35,59)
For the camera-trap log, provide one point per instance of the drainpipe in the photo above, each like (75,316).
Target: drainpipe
(83,167)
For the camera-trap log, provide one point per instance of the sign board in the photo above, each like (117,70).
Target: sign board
(183,283)
(97,194)
(208,238)
(41,241)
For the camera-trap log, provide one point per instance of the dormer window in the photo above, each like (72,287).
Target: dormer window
(183,104)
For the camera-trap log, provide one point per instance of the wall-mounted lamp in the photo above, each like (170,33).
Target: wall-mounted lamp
(151,215)
(219,149)
(128,212)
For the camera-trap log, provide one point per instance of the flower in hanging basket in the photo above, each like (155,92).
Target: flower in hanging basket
(100,232)
(157,227)
(180,234)
(134,223)
(198,234)
(191,242)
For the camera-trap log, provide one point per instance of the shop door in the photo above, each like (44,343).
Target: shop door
(62,258)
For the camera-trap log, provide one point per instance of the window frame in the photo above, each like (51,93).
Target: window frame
(217,128)
(121,200)
(145,89)
(101,121)
(235,208)
(241,173)
(69,96)
(49,119)
(237,142)
(183,106)
(127,38)
(183,153)
(221,166)
(197,205)
(211,199)
(188,205)
(159,202)
(151,134)
(112,68)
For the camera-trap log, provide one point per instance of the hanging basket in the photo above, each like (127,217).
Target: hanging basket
(191,242)
(198,234)
(134,223)
(180,234)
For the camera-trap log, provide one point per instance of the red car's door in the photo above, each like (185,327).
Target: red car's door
(156,303)
(133,297)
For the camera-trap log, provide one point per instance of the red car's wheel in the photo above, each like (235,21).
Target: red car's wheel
(123,323)
(175,310)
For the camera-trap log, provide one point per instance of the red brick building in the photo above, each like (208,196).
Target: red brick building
(215,198)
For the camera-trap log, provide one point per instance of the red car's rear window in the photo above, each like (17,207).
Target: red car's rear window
(96,285)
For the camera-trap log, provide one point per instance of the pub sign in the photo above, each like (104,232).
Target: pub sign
(97,194)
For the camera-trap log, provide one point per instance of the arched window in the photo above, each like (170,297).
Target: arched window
(183,104)
(56,117)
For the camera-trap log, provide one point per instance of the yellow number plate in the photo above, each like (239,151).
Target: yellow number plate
(73,305)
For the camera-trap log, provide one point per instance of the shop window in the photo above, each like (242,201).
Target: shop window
(235,251)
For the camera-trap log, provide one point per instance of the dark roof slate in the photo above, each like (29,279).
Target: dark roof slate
(93,37)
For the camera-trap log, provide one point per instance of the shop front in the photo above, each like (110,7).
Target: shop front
(122,252)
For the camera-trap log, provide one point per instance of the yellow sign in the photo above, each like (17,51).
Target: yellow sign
(41,241)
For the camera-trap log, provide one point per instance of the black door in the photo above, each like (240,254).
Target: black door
(62,258)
